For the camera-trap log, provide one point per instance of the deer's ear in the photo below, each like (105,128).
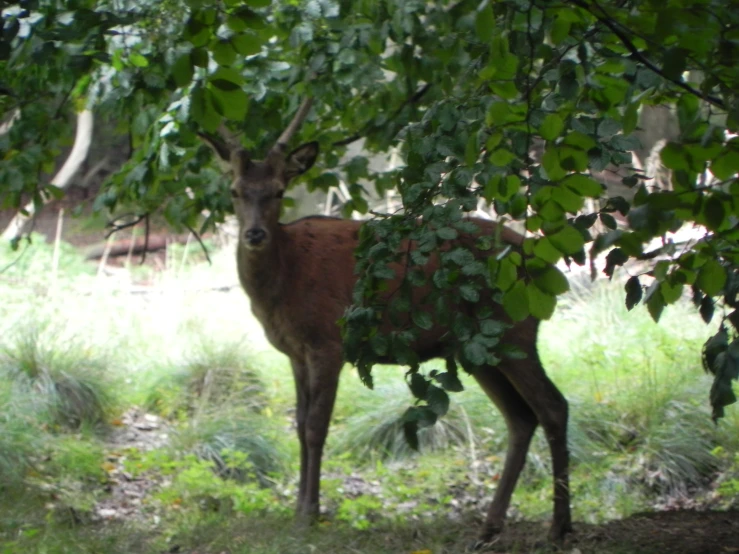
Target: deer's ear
(221,149)
(301,160)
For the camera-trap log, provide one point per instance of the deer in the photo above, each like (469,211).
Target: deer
(299,278)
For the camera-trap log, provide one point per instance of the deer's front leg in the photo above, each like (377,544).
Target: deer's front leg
(300,374)
(322,382)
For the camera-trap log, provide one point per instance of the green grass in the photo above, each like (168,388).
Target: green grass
(80,348)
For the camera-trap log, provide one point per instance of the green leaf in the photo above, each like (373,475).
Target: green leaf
(223,52)
(570,201)
(714,212)
(516,302)
(631,118)
(138,60)
(410,429)
(224,85)
(541,304)
(419,385)
(559,30)
(258,3)
(711,278)
(475,353)
(727,163)
(551,127)
(552,281)
(671,293)
(675,157)
(202,109)
(608,220)
(492,327)
(247,44)
(199,57)
(568,241)
(507,273)
(469,293)
(551,164)
(633,292)
(471,151)
(449,381)
(583,185)
(502,157)
(546,250)
(423,320)
(447,233)
(438,400)
(655,306)
(707,309)
(182,70)
(615,258)
(485,23)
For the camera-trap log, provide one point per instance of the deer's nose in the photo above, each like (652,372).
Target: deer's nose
(255,236)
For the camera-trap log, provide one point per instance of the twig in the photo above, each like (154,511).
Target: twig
(147,228)
(115,226)
(409,101)
(606,20)
(200,242)
(55,254)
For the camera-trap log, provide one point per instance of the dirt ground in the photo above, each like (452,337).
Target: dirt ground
(674,532)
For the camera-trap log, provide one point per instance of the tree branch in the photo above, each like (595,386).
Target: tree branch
(409,101)
(606,20)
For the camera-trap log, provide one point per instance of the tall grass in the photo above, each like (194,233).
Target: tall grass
(186,347)
(70,381)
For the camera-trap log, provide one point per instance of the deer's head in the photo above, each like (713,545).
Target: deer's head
(258,185)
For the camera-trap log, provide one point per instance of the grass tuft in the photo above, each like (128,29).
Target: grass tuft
(212,378)
(240,444)
(375,428)
(71,383)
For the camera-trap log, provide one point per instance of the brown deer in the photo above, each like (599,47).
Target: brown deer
(299,278)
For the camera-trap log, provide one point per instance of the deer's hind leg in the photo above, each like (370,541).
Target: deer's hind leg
(521,422)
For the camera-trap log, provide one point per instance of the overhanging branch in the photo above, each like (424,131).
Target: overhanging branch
(606,20)
(415,98)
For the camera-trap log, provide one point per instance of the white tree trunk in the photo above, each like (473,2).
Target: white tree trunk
(81,147)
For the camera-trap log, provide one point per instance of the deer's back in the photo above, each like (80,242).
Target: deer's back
(318,278)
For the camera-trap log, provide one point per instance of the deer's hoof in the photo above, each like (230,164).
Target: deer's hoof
(559,532)
(487,539)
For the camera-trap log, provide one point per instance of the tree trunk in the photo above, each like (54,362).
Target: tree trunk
(82,140)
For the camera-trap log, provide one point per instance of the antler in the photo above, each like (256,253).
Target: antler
(299,117)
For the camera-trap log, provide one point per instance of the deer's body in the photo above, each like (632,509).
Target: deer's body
(300,277)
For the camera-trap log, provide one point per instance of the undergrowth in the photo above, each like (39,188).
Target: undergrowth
(71,363)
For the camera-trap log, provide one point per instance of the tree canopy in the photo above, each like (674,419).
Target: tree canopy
(528,106)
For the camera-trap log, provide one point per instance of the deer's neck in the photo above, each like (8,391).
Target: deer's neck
(261,272)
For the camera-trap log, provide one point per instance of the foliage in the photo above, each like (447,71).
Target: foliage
(524,106)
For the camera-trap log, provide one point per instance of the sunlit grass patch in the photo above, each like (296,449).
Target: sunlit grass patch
(210,377)
(66,377)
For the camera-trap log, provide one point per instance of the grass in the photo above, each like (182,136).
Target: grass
(79,349)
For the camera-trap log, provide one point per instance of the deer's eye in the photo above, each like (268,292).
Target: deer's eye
(280,194)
